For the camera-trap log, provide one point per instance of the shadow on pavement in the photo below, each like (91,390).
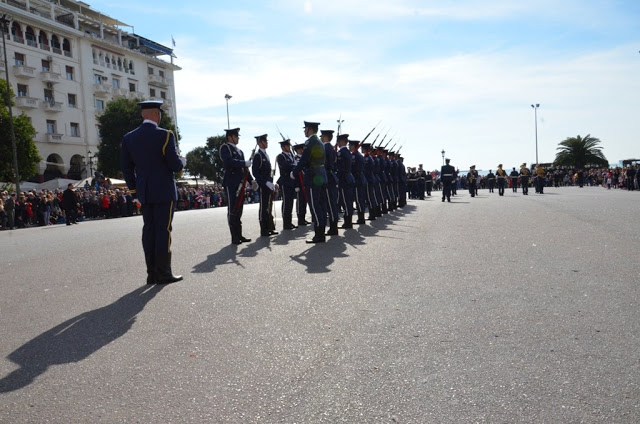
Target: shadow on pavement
(226,255)
(76,338)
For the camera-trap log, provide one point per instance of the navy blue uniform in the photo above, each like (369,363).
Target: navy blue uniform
(332,182)
(501,178)
(286,164)
(235,171)
(261,169)
(149,159)
(372,183)
(315,180)
(345,181)
(357,169)
(524,180)
(447,174)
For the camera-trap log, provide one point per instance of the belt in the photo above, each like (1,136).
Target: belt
(447,175)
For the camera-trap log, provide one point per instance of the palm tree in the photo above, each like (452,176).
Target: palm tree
(577,152)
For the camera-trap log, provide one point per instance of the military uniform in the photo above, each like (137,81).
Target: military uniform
(149,158)
(447,177)
(346,182)
(360,186)
(491,178)
(301,190)
(514,180)
(501,178)
(286,163)
(524,179)
(332,182)
(261,169)
(372,182)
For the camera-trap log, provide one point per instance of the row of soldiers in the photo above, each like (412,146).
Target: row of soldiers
(327,179)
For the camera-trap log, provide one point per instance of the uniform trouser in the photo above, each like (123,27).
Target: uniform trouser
(372,198)
(402,194)
(446,189)
(540,182)
(301,204)
(501,182)
(421,189)
(472,189)
(318,206)
(429,187)
(234,213)
(156,231)
(346,200)
(361,197)
(514,185)
(71,214)
(265,216)
(332,202)
(491,185)
(525,185)
(379,193)
(288,194)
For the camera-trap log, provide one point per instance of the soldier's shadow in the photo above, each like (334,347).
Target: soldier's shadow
(76,338)
(320,256)
(226,255)
(288,235)
(251,250)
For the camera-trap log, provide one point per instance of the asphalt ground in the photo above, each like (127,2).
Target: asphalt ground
(514,309)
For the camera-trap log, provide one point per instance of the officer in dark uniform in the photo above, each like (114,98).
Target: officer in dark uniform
(428,182)
(501,178)
(286,163)
(514,180)
(360,187)
(346,182)
(382,195)
(402,181)
(149,158)
(524,178)
(446,176)
(372,181)
(261,169)
(301,191)
(332,181)
(315,179)
(70,205)
(235,180)
(491,178)
(472,180)
(421,175)
(454,183)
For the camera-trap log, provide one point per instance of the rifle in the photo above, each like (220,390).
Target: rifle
(339,124)
(243,186)
(399,148)
(280,132)
(394,145)
(365,139)
(374,141)
(382,141)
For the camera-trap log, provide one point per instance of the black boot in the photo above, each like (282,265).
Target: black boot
(301,221)
(372,214)
(319,236)
(384,208)
(360,220)
(264,231)
(378,211)
(163,270)
(151,269)
(333,228)
(288,225)
(348,222)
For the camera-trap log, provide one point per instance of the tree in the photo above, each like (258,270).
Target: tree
(576,152)
(119,117)
(205,161)
(28,157)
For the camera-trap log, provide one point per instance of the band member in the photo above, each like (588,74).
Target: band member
(428,182)
(501,178)
(312,161)
(491,178)
(421,175)
(360,186)
(149,158)
(369,173)
(514,179)
(286,163)
(261,169)
(235,180)
(541,177)
(472,180)
(332,181)
(402,181)
(446,177)
(301,191)
(524,178)
(346,181)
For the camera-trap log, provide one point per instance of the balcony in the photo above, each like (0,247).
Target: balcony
(102,88)
(22,71)
(52,77)
(158,80)
(27,102)
(168,103)
(135,95)
(120,92)
(52,106)
(54,138)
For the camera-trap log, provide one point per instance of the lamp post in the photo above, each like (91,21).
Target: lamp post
(442,156)
(227,97)
(340,121)
(535,112)
(91,158)
(4,21)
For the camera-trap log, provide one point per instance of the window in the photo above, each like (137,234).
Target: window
(19,59)
(74,129)
(48,95)
(51,126)
(46,66)
(115,83)
(71,99)
(97,79)
(23,90)
(152,92)
(163,95)
(99,105)
(132,87)
(161,73)
(150,71)
(69,71)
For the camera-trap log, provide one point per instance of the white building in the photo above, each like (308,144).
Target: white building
(66,62)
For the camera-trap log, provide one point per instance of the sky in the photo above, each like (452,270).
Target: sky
(458,76)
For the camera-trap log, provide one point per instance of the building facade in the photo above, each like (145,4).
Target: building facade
(66,61)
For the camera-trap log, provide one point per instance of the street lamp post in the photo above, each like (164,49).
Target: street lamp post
(535,113)
(227,97)
(340,121)
(91,158)
(442,156)
(4,21)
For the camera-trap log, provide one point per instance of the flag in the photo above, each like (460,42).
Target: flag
(173,41)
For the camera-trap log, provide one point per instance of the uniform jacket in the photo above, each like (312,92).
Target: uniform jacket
(447,173)
(369,170)
(261,168)
(234,166)
(357,168)
(148,159)
(69,199)
(312,163)
(343,167)
(286,163)
(330,164)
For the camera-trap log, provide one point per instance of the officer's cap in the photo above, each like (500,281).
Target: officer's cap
(366,145)
(326,132)
(343,137)
(286,142)
(232,131)
(298,146)
(150,104)
(262,137)
(354,142)
(447,160)
(308,124)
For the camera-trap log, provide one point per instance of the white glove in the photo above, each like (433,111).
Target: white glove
(270,186)
(254,185)
(277,187)
(247,163)
(297,189)
(183,160)
(291,175)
